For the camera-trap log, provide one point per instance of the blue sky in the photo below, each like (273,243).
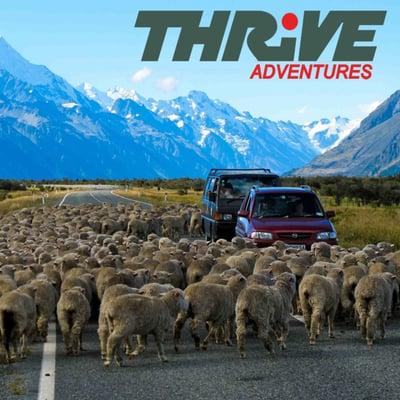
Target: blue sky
(96,42)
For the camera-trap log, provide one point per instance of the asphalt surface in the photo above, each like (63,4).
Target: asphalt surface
(340,368)
(97,197)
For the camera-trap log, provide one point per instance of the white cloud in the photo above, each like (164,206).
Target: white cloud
(141,75)
(303,110)
(167,84)
(368,108)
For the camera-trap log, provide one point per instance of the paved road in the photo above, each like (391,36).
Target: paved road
(342,368)
(97,197)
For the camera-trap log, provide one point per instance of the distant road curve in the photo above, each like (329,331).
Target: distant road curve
(98,197)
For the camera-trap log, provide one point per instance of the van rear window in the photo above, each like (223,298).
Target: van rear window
(237,187)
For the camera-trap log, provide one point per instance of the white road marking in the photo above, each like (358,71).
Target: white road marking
(95,198)
(62,201)
(48,369)
(127,198)
(299,318)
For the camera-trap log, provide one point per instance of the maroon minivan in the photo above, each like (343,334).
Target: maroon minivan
(290,214)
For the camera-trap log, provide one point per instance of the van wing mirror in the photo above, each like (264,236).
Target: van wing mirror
(243,213)
(330,214)
(212,196)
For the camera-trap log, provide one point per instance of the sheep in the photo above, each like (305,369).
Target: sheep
(45,301)
(278,267)
(155,289)
(268,308)
(173,226)
(132,314)
(136,278)
(6,284)
(73,313)
(83,281)
(24,276)
(17,322)
(244,263)
(263,262)
(373,302)
(211,303)
(103,331)
(322,251)
(319,299)
(351,277)
(263,278)
(198,268)
(195,226)
(174,267)
(8,271)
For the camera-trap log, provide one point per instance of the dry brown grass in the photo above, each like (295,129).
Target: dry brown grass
(20,200)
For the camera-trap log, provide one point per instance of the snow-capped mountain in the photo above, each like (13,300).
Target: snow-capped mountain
(326,133)
(371,150)
(49,129)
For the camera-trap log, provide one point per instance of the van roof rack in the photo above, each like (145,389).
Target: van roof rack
(240,171)
(306,187)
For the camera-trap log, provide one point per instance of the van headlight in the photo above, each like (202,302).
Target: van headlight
(261,235)
(326,235)
(227,217)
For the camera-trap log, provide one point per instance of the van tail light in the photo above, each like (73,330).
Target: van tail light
(217,216)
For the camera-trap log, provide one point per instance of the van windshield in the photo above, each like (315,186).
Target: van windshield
(236,187)
(280,205)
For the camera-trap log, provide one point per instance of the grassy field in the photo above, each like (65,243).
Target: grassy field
(157,197)
(356,226)
(23,199)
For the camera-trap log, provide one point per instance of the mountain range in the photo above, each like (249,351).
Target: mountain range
(49,129)
(371,150)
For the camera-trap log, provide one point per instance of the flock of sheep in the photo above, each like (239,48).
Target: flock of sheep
(131,268)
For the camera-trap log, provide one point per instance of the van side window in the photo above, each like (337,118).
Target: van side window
(247,205)
(210,186)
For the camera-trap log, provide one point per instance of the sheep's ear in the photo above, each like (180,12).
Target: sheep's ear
(393,277)
(177,293)
(242,279)
(169,273)
(340,273)
(147,272)
(134,273)
(155,275)
(13,269)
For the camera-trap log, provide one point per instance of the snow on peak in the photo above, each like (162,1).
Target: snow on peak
(122,93)
(328,133)
(69,105)
(18,66)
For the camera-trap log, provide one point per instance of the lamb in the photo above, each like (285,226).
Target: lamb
(373,302)
(268,308)
(133,314)
(17,322)
(73,312)
(319,299)
(211,303)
